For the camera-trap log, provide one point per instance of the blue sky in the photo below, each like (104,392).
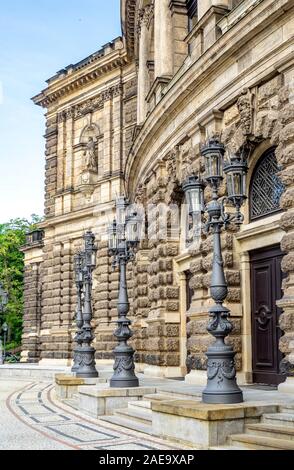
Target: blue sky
(38,38)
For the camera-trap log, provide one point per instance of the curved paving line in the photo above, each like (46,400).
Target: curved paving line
(138,436)
(44,398)
(17,416)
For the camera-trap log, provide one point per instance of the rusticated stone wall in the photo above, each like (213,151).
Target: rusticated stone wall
(162,343)
(32,307)
(155,292)
(284,137)
(57,308)
(51,166)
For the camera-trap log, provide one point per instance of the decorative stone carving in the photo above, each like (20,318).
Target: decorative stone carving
(245,107)
(189,160)
(145,16)
(61,117)
(140,194)
(89,106)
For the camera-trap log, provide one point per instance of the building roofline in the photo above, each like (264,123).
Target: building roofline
(113,55)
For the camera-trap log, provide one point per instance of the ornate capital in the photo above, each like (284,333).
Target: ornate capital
(145,17)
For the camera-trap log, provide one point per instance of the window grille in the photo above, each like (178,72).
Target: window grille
(266,187)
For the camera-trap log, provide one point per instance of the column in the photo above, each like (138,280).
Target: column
(69,150)
(143,78)
(179,16)
(163,39)
(117,131)
(61,151)
(108,127)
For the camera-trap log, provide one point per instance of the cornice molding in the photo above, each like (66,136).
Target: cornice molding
(66,86)
(129,24)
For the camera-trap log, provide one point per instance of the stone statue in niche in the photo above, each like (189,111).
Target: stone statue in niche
(90,155)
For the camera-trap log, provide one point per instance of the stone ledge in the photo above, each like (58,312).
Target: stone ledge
(103,400)
(66,386)
(201,411)
(66,380)
(105,391)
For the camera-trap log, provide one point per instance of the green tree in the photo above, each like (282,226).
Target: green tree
(12,238)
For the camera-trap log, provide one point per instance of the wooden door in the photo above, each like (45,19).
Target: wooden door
(266,282)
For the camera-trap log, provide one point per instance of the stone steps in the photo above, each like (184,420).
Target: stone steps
(279,419)
(226,447)
(272,431)
(257,442)
(179,393)
(161,397)
(138,415)
(287,409)
(127,423)
(144,405)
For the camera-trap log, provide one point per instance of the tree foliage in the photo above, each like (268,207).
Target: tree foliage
(12,238)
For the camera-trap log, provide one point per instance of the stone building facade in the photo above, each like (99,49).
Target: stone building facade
(131,120)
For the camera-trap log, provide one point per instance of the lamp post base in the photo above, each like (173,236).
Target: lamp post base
(87,364)
(76,359)
(124,383)
(229,398)
(124,368)
(222,387)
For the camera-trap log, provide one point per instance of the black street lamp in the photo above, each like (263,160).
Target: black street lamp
(79,280)
(222,385)
(124,236)
(86,353)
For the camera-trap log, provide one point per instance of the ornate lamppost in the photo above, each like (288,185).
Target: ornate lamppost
(124,236)
(222,385)
(86,353)
(79,280)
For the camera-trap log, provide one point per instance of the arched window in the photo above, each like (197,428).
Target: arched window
(266,187)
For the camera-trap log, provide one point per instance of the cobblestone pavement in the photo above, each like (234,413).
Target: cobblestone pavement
(31,418)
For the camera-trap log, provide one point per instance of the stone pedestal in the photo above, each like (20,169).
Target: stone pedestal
(66,386)
(202,425)
(103,400)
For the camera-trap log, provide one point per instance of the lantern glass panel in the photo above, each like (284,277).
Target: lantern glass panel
(195,200)
(112,236)
(213,165)
(94,257)
(133,229)
(230,185)
(237,178)
(121,209)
